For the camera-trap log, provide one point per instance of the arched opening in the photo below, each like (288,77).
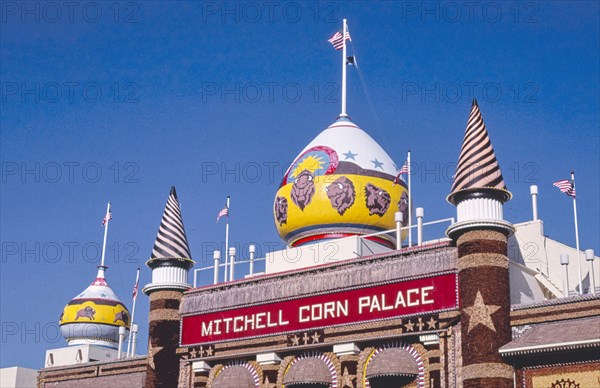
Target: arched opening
(391,368)
(235,376)
(309,372)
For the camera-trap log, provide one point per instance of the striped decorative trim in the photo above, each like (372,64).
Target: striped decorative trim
(321,357)
(412,351)
(477,165)
(171,241)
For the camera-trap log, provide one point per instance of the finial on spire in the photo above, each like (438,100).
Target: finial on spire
(477,169)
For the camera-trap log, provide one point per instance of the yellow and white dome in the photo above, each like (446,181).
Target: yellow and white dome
(343,183)
(95,315)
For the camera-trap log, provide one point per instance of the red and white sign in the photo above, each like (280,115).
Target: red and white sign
(384,301)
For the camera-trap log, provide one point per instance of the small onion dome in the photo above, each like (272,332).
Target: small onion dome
(95,315)
(343,183)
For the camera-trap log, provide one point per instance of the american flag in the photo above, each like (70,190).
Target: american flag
(107,217)
(403,170)
(135,288)
(337,41)
(223,213)
(566,186)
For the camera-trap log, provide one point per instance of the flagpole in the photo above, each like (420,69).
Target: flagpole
(409,203)
(137,279)
(576,232)
(227,240)
(344,28)
(106,218)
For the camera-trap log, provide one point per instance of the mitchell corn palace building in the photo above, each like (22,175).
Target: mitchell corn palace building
(347,305)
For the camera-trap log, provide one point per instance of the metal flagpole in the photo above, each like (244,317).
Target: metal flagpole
(344,29)
(409,203)
(137,279)
(226,240)
(576,232)
(106,219)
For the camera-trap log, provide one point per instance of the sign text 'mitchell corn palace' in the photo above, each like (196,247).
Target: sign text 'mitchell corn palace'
(383,301)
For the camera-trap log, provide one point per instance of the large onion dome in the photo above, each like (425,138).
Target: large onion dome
(343,183)
(95,315)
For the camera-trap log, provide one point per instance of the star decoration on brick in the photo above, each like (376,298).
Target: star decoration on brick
(481,314)
(295,340)
(410,326)
(347,379)
(315,338)
(420,324)
(377,164)
(349,155)
(193,353)
(431,323)
(209,351)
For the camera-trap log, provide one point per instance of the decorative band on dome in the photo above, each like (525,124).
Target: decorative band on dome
(477,167)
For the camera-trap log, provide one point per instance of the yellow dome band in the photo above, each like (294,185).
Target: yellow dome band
(90,312)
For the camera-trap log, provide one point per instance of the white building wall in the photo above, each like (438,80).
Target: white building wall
(529,247)
(18,377)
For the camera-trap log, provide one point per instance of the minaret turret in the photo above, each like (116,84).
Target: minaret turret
(170,263)
(480,233)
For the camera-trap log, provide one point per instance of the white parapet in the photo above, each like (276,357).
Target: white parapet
(78,354)
(319,253)
(168,274)
(479,209)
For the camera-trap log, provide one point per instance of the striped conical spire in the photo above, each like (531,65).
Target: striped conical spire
(171,241)
(477,169)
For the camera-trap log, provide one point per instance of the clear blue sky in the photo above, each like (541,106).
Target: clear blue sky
(119,101)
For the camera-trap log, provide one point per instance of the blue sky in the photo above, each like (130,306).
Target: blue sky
(119,101)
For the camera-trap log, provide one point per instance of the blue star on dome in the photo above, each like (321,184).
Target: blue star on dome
(377,164)
(103,295)
(349,155)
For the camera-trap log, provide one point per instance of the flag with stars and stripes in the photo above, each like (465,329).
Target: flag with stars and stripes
(223,213)
(403,171)
(566,186)
(135,288)
(337,41)
(107,217)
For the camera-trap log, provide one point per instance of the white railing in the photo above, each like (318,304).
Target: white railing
(398,231)
(212,267)
(361,246)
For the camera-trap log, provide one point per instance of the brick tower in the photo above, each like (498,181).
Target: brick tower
(480,233)
(170,264)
